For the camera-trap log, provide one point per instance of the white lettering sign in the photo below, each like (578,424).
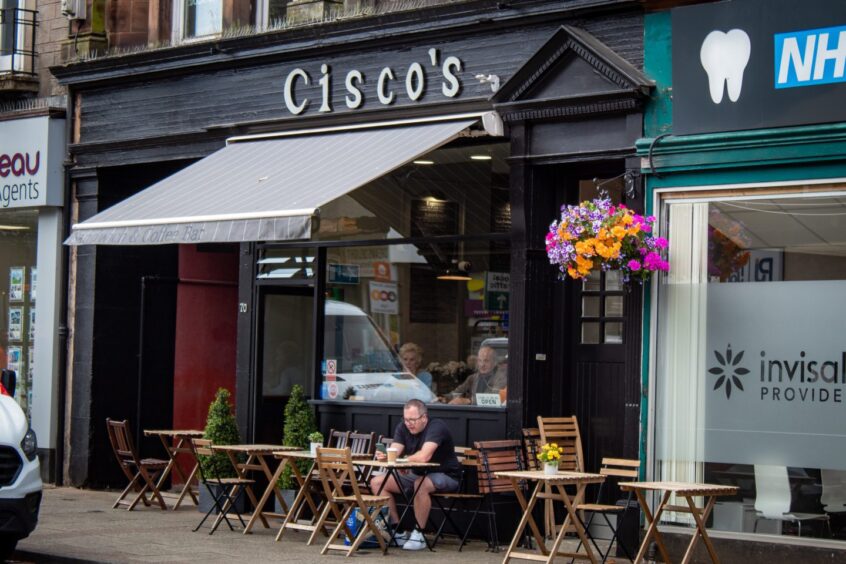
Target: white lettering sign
(775,374)
(415,80)
(31,155)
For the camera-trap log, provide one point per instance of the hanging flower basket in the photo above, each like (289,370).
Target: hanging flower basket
(596,235)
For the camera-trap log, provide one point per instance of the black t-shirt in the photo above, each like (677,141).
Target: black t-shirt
(436,432)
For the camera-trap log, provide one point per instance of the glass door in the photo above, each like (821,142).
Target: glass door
(285,354)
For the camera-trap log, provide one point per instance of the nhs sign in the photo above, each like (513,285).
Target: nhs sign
(755,64)
(815,56)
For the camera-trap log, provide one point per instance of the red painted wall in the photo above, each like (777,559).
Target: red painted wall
(206,314)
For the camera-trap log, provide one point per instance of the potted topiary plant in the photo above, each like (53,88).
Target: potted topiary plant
(315,441)
(221,429)
(299,426)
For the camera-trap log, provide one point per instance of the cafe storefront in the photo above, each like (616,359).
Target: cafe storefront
(746,353)
(363,217)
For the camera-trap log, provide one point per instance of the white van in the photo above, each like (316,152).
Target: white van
(20,474)
(366,366)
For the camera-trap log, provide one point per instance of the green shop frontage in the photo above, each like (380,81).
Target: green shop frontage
(745,363)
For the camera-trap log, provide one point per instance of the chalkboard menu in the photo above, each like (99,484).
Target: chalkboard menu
(431,217)
(500,223)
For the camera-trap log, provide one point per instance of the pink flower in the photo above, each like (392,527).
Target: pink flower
(634,265)
(660,242)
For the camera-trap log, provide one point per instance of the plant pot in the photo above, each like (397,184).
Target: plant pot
(288,496)
(550,468)
(206,501)
(314,447)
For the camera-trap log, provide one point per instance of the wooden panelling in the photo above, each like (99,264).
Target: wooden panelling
(247,92)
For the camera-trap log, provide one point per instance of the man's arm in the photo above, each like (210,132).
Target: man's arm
(464,389)
(425,454)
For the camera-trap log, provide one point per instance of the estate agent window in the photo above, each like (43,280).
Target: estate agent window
(751,359)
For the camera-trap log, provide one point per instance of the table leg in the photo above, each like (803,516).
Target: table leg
(268,491)
(518,491)
(573,518)
(170,463)
(652,530)
(186,487)
(700,529)
(527,518)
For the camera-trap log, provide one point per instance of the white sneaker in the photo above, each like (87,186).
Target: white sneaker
(415,541)
(402,537)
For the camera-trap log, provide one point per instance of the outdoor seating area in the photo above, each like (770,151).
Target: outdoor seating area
(337,507)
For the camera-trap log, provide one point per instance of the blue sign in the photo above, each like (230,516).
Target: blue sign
(814,56)
(343,273)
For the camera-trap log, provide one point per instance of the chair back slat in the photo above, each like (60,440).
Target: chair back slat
(385,440)
(202,447)
(531,446)
(121,440)
(620,468)
(336,470)
(362,443)
(564,431)
(337,439)
(497,456)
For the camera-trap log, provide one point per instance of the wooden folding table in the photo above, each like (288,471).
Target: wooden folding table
(256,460)
(700,514)
(555,492)
(174,442)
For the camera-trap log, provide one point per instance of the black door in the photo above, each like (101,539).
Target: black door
(599,339)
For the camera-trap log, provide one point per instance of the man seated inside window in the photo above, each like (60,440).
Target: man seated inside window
(489,378)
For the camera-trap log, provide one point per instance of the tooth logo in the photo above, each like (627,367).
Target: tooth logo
(724,57)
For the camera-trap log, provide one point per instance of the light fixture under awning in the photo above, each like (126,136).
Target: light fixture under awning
(264,189)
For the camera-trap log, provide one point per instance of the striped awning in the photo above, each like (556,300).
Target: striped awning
(264,189)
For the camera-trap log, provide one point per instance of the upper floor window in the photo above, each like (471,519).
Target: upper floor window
(17,25)
(194,19)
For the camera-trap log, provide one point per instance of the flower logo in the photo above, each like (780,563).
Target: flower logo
(728,370)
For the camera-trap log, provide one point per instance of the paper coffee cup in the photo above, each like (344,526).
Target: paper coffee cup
(392,454)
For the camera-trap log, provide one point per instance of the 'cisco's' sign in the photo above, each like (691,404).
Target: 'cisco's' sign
(747,64)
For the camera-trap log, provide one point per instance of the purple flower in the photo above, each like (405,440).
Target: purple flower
(633,265)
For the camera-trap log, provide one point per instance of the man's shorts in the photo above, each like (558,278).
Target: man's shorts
(442,482)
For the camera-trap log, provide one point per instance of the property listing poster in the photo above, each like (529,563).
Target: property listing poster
(31,328)
(14,358)
(16,284)
(33,282)
(15,323)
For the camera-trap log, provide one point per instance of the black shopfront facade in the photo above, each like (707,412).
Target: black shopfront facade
(495,116)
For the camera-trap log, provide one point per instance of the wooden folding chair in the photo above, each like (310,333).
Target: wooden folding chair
(493,457)
(563,431)
(336,470)
(142,473)
(363,444)
(531,447)
(337,439)
(614,468)
(465,499)
(229,489)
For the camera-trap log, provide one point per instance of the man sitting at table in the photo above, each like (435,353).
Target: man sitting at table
(420,439)
(489,378)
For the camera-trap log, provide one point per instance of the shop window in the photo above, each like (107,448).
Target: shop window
(287,264)
(750,366)
(450,191)
(18,284)
(396,328)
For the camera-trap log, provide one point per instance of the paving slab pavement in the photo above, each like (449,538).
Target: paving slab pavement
(80,526)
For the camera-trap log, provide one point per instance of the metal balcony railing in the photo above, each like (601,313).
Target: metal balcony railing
(17,41)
